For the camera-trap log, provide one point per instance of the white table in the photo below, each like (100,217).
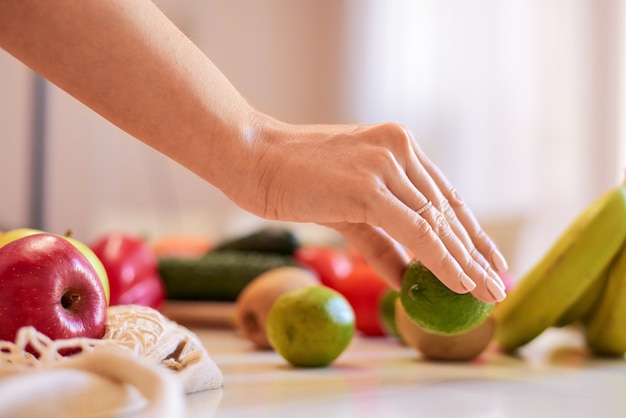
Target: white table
(378,377)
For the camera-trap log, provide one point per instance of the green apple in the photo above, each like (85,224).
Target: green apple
(95,262)
(14,234)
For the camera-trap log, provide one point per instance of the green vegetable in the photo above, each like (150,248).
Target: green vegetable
(267,240)
(217,276)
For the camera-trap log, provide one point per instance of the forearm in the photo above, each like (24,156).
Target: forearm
(128,62)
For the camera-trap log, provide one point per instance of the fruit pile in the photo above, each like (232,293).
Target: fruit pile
(580,280)
(343,294)
(289,309)
(227,268)
(307,302)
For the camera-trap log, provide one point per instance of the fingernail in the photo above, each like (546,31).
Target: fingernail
(499,262)
(495,290)
(467,283)
(496,278)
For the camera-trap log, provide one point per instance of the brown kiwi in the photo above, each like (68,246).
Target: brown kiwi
(257,298)
(460,347)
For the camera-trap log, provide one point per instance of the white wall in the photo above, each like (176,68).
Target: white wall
(517,101)
(15,106)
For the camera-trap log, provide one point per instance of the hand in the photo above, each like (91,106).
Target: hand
(134,67)
(369,183)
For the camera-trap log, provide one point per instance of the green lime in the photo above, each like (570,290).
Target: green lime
(437,309)
(310,327)
(387,312)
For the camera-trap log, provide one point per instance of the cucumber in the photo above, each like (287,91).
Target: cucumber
(267,240)
(217,276)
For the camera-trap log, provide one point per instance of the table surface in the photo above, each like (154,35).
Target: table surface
(378,377)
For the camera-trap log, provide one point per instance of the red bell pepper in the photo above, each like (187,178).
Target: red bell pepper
(345,270)
(132,267)
(331,264)
(365,289)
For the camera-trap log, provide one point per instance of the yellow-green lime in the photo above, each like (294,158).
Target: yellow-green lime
(437,309)
(387,312)
(310,327)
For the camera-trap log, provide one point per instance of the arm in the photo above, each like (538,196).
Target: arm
(128,62)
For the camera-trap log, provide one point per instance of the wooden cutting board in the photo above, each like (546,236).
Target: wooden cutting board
(209,314)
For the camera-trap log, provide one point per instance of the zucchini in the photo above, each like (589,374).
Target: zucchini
(267,240)
(217,276)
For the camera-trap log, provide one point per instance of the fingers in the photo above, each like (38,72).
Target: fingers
(440,253)
(388,258)
(440,238)
(446,225)
(477,236)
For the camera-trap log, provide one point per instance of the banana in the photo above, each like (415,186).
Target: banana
(582,308)
(575,260)
(605,328)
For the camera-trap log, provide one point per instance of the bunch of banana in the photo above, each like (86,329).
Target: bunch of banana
(605,325)
(567,284)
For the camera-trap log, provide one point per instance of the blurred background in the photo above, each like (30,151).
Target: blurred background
(520,103)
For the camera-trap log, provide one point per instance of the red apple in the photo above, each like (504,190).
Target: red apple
(47,283)
(17,233)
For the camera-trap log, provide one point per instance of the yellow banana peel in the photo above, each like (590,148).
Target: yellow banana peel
(605,328)
(582,308)
(571,266)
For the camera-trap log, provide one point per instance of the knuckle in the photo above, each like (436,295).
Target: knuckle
(383,157)
(393,136)
(441,225)
(445,261)
(476,257)
(423,231)
(474,253)
(399,139)
(448,212)
(481,236)
(456,201)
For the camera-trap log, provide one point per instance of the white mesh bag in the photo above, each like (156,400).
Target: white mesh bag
(144,364)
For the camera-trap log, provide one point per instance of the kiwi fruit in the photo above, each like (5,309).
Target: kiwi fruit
(257,298)
(465,346)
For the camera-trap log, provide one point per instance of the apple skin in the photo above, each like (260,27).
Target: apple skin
(17,233)
(47,283)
